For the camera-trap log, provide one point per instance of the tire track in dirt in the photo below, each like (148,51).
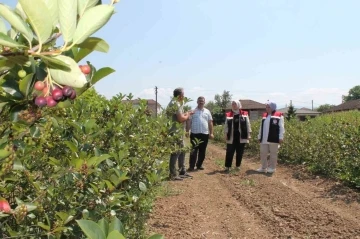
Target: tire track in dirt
(247,204)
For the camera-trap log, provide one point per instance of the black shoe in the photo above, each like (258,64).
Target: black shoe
(184,175)
(191,169)
(177,178)
(200,168)
(227,170)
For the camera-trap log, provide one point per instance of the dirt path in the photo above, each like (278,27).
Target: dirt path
(248,204)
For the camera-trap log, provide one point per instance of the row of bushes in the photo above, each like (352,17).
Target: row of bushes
(328,145)
(97,160)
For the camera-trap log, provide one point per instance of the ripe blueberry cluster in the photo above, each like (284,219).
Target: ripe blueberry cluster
(51,96)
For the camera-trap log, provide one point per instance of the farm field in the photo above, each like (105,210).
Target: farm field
(247,204)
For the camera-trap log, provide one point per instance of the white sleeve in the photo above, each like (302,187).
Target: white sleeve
(282,128)
(226,127)
(248,124)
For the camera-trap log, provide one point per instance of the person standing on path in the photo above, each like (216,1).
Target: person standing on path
(271,135)
(237,133)
(176,112)
(201,126)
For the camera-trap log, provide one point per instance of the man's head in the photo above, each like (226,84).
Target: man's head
(270,107)
(179,93)
(201,102)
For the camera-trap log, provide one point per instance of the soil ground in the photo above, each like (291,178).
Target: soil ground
(248,204)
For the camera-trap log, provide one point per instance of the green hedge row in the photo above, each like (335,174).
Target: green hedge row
(328,145)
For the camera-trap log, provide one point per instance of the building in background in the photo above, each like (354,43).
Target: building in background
(301,113)
(346,106)
(254,108)
(152,107)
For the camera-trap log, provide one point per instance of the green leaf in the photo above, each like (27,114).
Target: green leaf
(85,4)
(101,73)
(43,226)
(109,185)
(35,132)
(157,236)
(3,215)
(89,45)
(142,187)
(67,18)
(82,53)
(4,153)
(64,104)
(30,206)
(104,225)
(116,225)
(12,33)
(11,87)
(52,6)
(96,44)
(18,166)
(89,124)
(5,40)
(38,15)
(55,63)
(97,160)
(20,60)
(92,20)
(54,122)
(71,146)
(5,64)
(19,10)
(91,229)
(16,22)
(15,111)
(74,77)
(25,84)
(2,105)
(2,26)
(115,235)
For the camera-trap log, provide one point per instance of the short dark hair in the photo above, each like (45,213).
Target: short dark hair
(178,91)
(201,98)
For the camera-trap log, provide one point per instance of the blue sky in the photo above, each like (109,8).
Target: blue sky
(279,50)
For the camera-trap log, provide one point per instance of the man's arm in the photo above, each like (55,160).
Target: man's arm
(182,117)
(211,129)
(188,125)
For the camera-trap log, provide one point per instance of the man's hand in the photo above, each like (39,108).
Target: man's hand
(225,137)
(211,136)
(281,141)
(187,134)
(191,112)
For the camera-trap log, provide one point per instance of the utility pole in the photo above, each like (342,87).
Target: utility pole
(312,105)
(156,103)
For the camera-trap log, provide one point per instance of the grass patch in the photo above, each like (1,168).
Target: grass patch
(165,190)
(219,162)
(248,182)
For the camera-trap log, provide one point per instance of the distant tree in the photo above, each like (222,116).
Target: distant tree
(291,114)
(324,107)
(212,107)
(354,94)
(222,101)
